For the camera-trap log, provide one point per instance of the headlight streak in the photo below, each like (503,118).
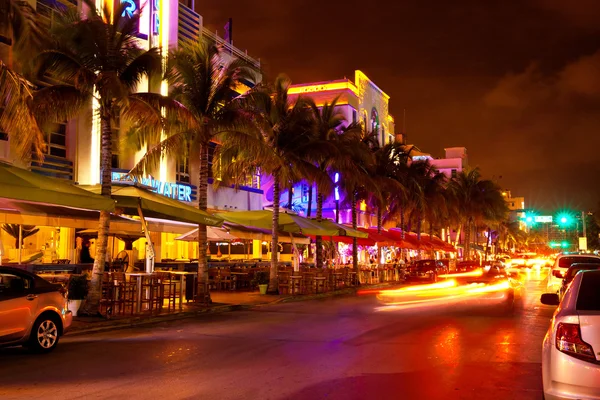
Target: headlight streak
(441,293)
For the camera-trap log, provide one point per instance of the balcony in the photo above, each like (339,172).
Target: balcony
(230,49)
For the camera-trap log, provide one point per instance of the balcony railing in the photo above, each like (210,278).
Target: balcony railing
(229,48)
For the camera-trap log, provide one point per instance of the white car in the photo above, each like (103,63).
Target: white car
(571,348)
(562,264)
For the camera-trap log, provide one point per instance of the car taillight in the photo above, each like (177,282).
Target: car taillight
(557,273)
(569,341)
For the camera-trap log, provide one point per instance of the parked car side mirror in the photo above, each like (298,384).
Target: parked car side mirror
(550,299)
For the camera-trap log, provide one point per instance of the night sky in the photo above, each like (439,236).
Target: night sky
(515,82)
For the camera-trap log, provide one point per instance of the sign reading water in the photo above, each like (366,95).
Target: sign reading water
(177,191)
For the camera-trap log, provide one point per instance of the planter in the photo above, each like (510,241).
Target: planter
(73,306)
(263,289)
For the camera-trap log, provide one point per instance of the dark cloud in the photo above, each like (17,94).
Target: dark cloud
(516,82)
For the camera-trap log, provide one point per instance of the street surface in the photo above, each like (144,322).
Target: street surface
(338,348)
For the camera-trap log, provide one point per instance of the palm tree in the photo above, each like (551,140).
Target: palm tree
(19,34)
(281,145)
(387,161)
(98,57)
(399,200)
(356,182)
(477,201)
(201,86)
(328,123)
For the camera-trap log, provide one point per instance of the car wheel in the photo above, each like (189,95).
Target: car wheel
(44,334)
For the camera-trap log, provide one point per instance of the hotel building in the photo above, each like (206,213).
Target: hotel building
(73,151)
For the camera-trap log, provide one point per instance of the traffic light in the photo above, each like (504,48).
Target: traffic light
(565,219)
(529,218)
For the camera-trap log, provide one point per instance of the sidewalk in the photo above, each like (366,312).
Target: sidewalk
(222,302)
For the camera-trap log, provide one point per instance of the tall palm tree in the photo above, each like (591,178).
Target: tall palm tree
(328,123)
(98,57)
(281,145)
(355,168)
(399,200)
(477,200)
(19,34)
(387,162)
(201,87)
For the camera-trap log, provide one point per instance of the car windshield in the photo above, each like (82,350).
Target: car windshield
(566,262)
(588,298)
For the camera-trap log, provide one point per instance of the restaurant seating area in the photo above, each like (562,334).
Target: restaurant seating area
(168,289)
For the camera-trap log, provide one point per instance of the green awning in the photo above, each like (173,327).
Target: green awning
(156,206)
(291,223)
(18,184)
(344,230)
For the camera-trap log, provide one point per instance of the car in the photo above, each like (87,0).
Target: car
(571,272)
(34,311)
(560,267)
(467,266)
(427,269)
(571,347)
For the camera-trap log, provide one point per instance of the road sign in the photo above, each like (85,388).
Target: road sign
(582,243)
(542,218)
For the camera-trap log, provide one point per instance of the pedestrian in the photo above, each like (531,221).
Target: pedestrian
(85,256)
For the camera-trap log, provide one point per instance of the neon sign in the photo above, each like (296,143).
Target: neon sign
(130,9)
(155,16)
(176,191)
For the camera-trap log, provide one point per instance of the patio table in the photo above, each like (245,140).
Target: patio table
(183,275)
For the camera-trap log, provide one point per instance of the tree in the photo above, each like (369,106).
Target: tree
(202,84)
(19,34)
(356,182)
(478,201)
(328,124)
(98,57)
(280,144)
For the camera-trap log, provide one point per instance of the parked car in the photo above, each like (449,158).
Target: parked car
(571,272)
(570,357)
(562,264)
(34,311)
(427,269)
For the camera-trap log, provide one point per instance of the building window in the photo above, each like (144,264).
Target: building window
(354,116)
(56,139)
(453,173)
(182,172)
(3,136)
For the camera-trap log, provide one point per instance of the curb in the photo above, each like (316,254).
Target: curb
(109,325)
(140,321)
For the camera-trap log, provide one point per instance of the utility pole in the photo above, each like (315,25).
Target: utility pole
(583,222)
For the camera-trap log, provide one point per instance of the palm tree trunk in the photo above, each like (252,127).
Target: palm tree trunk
(274,235)
(319,239)
(379,221)
(203,287)
(355,240)
(95,292)
(467,255)
(310,197)
(402,222)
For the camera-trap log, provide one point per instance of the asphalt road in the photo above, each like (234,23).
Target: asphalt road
(325,349)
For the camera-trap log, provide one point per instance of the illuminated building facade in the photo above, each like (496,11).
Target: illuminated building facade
(360,101)
(73,151)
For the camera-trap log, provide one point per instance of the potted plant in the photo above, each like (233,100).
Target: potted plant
(77,290)
(261,279)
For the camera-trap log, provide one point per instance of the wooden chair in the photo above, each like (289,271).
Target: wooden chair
(225,280)
(283,282)
(308,283)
